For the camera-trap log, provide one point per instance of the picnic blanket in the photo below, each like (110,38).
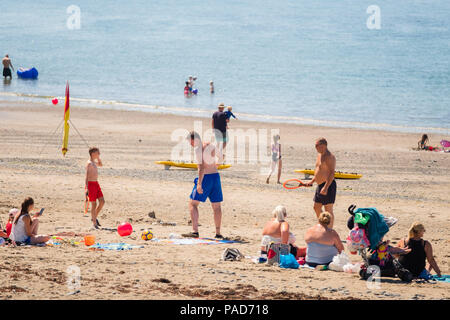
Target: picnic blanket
(115,246)
(194,241)
(442,278)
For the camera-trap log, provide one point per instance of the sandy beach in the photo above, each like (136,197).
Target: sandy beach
(399,182)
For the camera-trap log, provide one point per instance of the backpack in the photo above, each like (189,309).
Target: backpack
(381,256)
(274,252)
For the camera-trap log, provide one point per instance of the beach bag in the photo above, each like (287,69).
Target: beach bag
(288,261)
(339,261)
(357,239)
(352,268)
(274,252)
(381,256)
(232,254)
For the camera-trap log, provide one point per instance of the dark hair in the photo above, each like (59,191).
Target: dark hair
(93,150)
(322,141)
(187,83)
(193,135)
(424,138)
(24,208)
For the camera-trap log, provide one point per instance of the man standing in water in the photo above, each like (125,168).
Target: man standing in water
(206,185)
(324,177)
(6,61)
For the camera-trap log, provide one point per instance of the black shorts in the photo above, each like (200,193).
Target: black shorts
(331,194)
(7,72)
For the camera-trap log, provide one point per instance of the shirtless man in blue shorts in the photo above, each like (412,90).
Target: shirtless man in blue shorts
(207,184)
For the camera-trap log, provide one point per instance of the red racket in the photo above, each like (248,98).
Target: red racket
(293,184)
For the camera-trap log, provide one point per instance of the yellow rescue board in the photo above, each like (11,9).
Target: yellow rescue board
(168,164)
(337,174)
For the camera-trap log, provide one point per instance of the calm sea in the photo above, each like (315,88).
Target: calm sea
(292,60)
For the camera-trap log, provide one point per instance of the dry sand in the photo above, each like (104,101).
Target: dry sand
(406,184)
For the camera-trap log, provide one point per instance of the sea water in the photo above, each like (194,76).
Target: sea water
(313,62)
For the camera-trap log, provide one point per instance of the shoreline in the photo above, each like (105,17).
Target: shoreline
(205,113)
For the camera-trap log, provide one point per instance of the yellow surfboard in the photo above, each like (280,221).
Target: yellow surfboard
(337,174)
(187,165)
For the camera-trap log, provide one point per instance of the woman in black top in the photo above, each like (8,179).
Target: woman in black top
(421,251)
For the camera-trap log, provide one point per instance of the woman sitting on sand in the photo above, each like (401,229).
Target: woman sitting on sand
(4,234)
(277,231)
(421,250)
(25,228)
(323,243)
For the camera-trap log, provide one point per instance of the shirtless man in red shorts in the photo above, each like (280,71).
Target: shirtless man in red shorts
(94,192)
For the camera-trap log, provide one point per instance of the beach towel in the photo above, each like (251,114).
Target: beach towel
(377,225)
(442,278)
(194,241)
(115,246)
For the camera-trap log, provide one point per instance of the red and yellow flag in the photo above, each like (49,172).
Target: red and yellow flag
(66,122)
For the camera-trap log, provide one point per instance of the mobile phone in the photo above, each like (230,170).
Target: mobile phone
(41,212)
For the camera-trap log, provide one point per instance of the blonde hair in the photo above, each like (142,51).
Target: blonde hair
(230,108)
(279,213)
(325,218)
(415,228)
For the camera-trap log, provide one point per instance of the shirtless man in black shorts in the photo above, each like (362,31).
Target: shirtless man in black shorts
(324,177)
(7,66)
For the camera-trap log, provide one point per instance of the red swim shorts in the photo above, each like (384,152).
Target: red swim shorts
(95,192)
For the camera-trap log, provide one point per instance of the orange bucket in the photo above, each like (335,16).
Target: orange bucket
(89,240)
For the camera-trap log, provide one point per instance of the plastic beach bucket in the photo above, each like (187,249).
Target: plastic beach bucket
(89,240)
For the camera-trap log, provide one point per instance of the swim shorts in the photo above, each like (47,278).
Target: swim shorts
(7,72)
(221,136)
(330,197)
(95,192)
(212,189)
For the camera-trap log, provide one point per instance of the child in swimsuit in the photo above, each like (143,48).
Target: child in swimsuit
(229,114)
(276,158)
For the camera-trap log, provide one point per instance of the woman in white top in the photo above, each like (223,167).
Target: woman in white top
(25,228)
(276,158)
(277,231)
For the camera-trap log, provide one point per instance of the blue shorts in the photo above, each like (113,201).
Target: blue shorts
(27,241)
(212,189)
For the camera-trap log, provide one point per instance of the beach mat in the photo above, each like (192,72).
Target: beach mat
(443,278)
(195,241)
(115,246)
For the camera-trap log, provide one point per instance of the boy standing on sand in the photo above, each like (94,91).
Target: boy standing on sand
(206,185)
(94,192)
(324,177)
